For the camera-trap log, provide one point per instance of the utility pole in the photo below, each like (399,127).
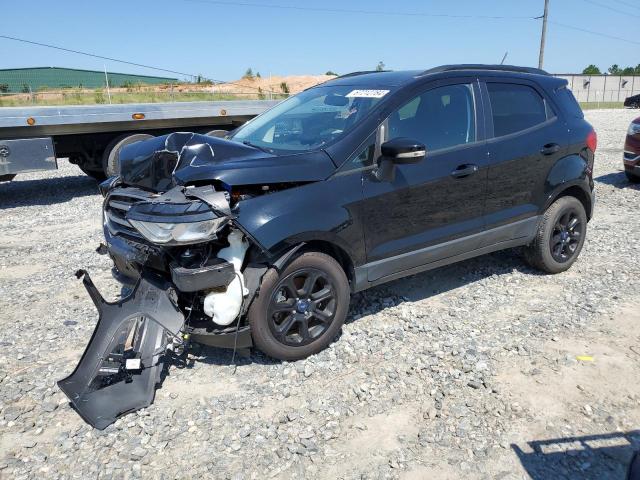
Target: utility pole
(544,33)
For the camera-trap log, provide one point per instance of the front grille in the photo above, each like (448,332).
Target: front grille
(116,207)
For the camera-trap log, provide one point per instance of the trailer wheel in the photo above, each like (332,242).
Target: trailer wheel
(95,174)
(217,133)
(111,155)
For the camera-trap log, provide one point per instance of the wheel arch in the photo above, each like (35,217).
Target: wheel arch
(286,252)
(570,176)
(574,190)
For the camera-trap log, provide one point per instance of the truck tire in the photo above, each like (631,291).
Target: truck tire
(95,174)
(217,133)
(111,155)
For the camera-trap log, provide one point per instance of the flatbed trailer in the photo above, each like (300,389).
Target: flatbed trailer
(91,136)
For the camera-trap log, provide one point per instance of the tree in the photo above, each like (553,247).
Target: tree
(636,70)
(380,66)
(591,70)
(331,72)
(614,69)
(258,75)
(284,87)
(248,74)
(4,87)
(628,71)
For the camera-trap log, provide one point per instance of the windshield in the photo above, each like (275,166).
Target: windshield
(309,120)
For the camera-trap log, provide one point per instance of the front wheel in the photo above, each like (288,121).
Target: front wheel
(560,236)
(300,310)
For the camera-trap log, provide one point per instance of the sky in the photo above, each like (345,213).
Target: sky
(221,39)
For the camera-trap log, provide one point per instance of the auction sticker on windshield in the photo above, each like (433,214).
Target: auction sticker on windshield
(367,93)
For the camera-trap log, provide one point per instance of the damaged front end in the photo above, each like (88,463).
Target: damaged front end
(190,267)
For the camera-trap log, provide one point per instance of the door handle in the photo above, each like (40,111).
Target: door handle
(550,149)
(464,170)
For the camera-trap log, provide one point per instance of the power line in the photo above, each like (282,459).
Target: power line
(95,55)
(606,35)
(613,9)
(364,12)
(159,69)
(622,2)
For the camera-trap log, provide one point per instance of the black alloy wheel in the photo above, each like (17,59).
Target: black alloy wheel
(560,236)
(566,236)
(302,307)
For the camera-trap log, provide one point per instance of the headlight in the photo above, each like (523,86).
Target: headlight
(182,233)
(634,129)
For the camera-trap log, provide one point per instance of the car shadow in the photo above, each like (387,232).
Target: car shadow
(437,281)
(45,191)
(600,456)
(409,289)
(618,180)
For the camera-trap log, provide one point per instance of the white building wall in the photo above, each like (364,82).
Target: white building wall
(602,88)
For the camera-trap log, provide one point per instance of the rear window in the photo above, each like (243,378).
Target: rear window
(515,107)
(569,103)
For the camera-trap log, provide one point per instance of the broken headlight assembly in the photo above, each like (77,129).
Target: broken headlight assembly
(175,223)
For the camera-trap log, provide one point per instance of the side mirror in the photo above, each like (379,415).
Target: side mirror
(403,150)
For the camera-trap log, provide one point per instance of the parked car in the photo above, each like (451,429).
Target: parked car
(259,239)
(632,152)
(632,102)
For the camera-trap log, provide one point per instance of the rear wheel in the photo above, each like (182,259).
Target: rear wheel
(111,156)
(633,178)
(560,236)
(300,310)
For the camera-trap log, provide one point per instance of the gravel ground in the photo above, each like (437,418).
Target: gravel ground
(485,369)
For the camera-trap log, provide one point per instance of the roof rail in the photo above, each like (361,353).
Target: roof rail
(479,66)
(363,72)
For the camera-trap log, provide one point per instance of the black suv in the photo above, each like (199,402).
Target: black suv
(260,237)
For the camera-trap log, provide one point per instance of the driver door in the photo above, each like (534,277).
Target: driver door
(432,209)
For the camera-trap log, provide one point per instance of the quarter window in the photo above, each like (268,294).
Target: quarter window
(515,107)
(440,118)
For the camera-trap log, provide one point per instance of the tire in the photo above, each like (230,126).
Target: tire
(275,307)
(217,133)
(557,245)
(111,155)
(97,175)
(633,178)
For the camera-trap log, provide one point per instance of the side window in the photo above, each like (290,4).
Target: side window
(440,118)
(515,107)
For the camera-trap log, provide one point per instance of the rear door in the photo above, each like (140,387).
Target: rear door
(432,208)
(526,138)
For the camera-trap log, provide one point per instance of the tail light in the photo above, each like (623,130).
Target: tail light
(592,141)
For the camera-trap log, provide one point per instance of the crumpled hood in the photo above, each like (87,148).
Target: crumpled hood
(163,162)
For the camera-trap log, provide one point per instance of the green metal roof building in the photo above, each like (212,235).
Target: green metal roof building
(16,80)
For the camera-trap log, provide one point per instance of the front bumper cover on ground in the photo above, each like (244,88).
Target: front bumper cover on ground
(124,359)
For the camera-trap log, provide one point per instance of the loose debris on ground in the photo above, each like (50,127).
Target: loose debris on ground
(485,369)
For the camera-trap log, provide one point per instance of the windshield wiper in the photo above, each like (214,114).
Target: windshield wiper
(264,149)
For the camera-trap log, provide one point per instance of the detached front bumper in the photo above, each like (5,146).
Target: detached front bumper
(124,359)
